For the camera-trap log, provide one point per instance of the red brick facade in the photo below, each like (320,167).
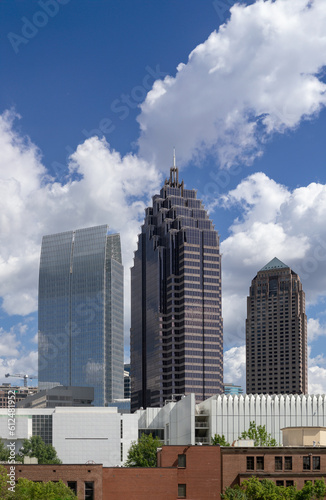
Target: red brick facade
(283,465)
(82,474)
(193,472)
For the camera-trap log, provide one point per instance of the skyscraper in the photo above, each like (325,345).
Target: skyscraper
(81,312)
(176,322)
(276,332)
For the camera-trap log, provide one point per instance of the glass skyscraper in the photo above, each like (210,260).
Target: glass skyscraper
(176,323)
(80,315)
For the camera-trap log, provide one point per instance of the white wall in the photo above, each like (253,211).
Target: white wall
(232,414)
(93,434)
(79,434)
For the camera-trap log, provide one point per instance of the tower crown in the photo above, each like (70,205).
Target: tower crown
(174,175)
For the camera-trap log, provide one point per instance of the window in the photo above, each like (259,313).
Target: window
(89,490)
(278,463)
(260,463)
(316,463)
(306,463)
(73,486)
(250,463)
(279,483)
(181,491)
(287,463)
(182,460)
(289,483)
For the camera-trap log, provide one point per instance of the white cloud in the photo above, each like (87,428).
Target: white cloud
(235,366)
(8,344)
(315,329)
(258,75)
(275,223)
(112,189)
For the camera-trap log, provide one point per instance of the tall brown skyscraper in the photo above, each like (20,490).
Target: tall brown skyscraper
(176,338)
(276,332)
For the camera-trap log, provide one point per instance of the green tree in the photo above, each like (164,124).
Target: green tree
(29,490)
(35,447)
(259,435)
(143,453)
(254,489)
(4,452)
(217,439)
(311,491)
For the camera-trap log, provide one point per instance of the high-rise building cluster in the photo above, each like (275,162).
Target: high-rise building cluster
(176,335)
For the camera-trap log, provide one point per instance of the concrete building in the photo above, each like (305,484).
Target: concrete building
(21,393)
(276,332)
(176,320)
(79,435)
(186,422)
(80,314)
(104,435)
(59,396)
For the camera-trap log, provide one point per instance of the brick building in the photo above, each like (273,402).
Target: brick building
(285,466)
(196,472)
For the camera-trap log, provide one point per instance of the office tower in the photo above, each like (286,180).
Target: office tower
(176,323)
(276,332)
(81,312)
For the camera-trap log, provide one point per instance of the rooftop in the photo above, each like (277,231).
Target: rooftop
(274,264)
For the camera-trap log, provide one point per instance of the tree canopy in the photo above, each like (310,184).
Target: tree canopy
(217,439)
(143,452)
(259,435)
(4,452)
(30,490)
(254,489)
(35,447)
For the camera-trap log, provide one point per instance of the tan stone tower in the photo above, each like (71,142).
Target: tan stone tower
(276,332)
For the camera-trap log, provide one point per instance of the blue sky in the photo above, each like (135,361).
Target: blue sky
(95,94)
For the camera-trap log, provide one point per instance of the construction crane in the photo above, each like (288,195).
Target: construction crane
(21,375)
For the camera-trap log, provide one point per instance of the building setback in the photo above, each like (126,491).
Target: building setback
(276,332)
(81,312)
(176,322)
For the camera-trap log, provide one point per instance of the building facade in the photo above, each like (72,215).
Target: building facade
(176,320)
(21,393)
(276,332)
(196,472)
(59,396)
(80,315)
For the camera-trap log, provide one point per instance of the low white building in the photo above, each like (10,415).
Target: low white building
(103,435)
(79,435)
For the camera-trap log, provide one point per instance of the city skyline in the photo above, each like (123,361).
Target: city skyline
(80,337)
(92,102)
(176,335)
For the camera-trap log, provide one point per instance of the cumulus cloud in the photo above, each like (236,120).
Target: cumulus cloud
(260,74)
(111,189)
(235,366)
(275,222)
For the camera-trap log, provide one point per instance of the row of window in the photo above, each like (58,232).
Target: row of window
(284,463)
